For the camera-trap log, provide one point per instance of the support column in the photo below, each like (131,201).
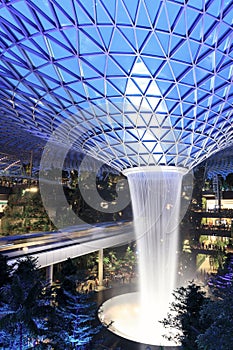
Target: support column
(101,267)
(49,274)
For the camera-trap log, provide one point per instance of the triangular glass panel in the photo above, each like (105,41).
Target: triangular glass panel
(106,34)
(166,73)
(131,149)
(132,88)
(69,68)
(187,107)
(35,57)
(26,17)
(124,47)
(194,48)
(130,136)
(88,71)
(187,78)
(153,89)
(197,4)
(92,34)
(113,69)
(168,137)
(135,101)
(142,19)
(64,13)
(180,25)
(102,14)
(208,62)
(171,160)
(227,17)
(197,32)
(200,74)
(86,45)
(58,38)
(221,92)
(153,9)
(209,25)
(84,12)
(184,90)
(111,90)
(149,104)
(153,102)
(179,68)
(76,98)
(149,145)
(60,93)
(175,42)
(182,53)
(153,45)
(122,15)
(173,10)
(45,18)
(171,150)
(132,8)
(162,23)
(164,39)
(120,149)
(40,44)
(226,72)
(15,54)
(7,19)
(49,73)
(120,134)
(214,8)
(141,38)
(152,64)
(173,93)
(161,107)
(164,87)
(192,17)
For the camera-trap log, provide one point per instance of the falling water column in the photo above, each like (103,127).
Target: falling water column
(155,195)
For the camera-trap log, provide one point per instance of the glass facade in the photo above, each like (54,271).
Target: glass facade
(133,83)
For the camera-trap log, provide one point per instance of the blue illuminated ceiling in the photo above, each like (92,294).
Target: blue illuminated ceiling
(134,83)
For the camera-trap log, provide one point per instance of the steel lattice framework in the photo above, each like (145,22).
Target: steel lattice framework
(133,83)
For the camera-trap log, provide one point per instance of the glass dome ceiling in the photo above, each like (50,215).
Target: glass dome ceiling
(133,83)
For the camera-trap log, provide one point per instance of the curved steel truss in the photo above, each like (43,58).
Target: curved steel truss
(133,83)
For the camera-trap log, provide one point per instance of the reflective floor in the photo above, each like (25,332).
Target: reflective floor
(116,341)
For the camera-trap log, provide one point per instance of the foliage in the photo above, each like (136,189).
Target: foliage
(184,316)
(202,323)
(223,280)
(25,213)
(218,314)
(79,313)
(5,271)
(29,308)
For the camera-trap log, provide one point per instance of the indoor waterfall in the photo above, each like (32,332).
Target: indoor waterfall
(155,195)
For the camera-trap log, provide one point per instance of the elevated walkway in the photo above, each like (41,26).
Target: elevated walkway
(68,244)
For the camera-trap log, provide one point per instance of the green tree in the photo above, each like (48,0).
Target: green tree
(79,316)
(218,315)
(223,280)
(5,271)
(30,309)
(23,302)
(184,316)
